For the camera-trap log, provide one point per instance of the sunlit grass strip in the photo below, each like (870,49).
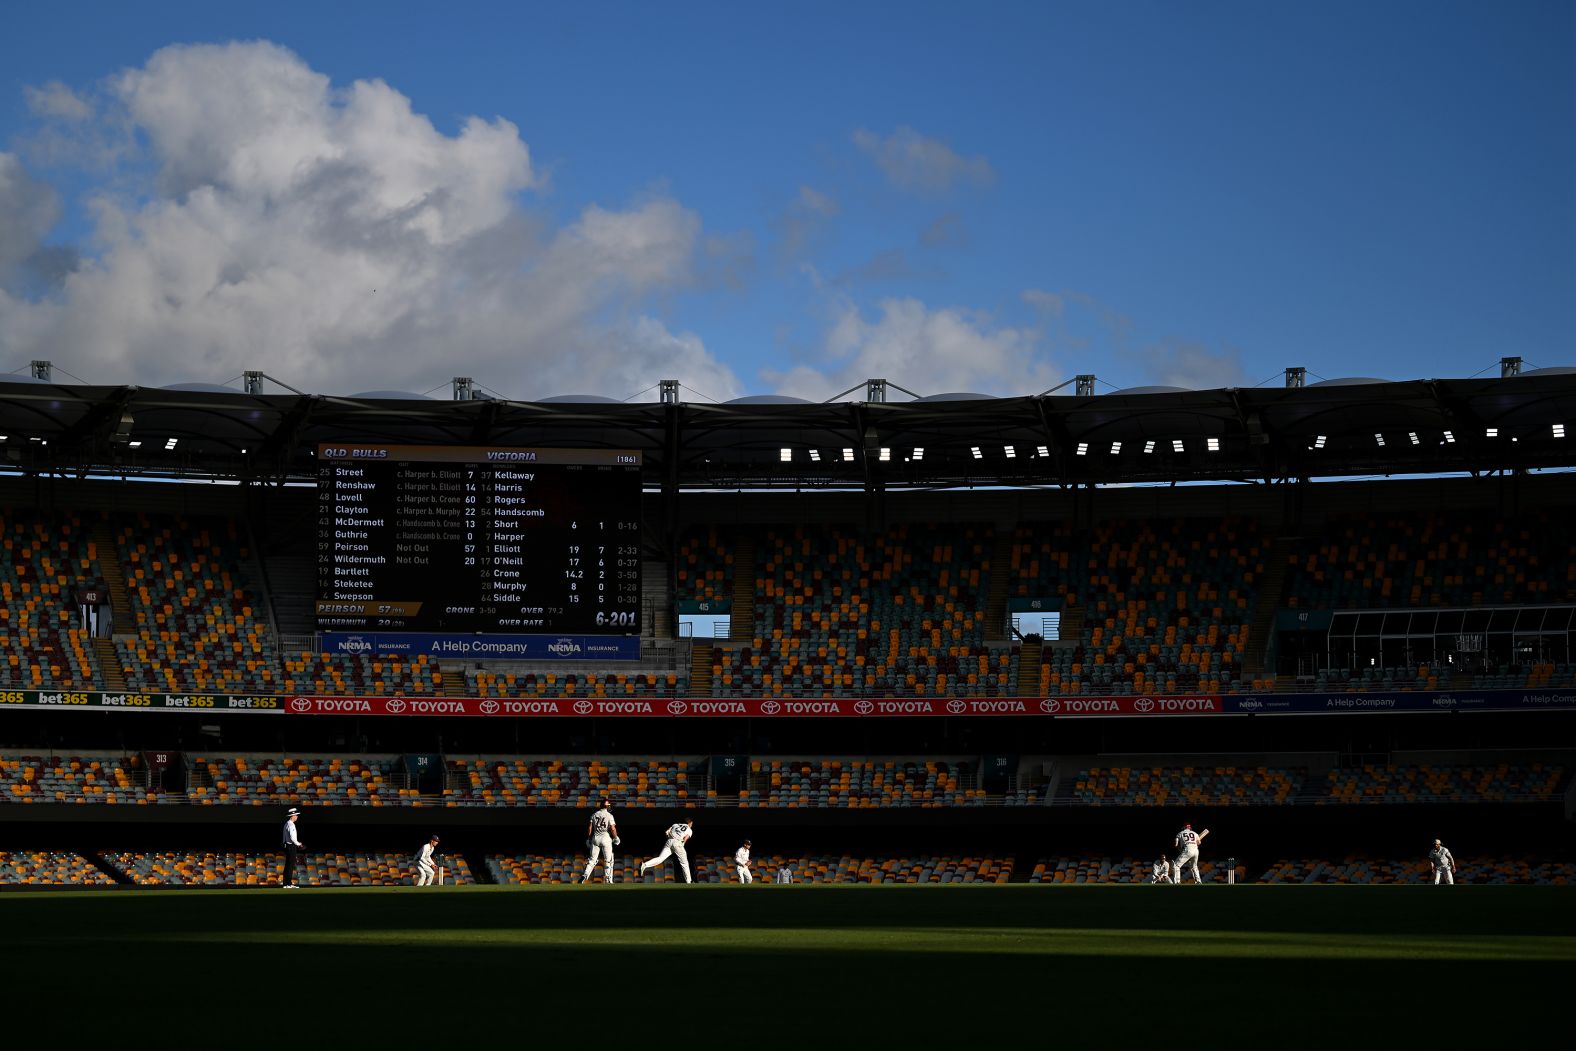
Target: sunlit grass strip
(1036,941)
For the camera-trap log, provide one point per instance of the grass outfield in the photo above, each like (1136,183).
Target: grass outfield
(1299,966)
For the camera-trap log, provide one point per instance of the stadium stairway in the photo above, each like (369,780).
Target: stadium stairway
(109,567)
(1029,666)
(110,671)
(700,668)
(101,863)
(453,681)
(481,873)
(741,622)
(996,626)
(1271,589)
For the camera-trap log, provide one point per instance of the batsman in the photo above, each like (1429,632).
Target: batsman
(1187,843)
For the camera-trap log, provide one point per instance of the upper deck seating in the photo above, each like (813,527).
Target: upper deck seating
(196,622)
(897,614)
(44,558)
(1166,605)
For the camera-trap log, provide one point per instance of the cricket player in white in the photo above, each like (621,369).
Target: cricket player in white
(601,838)
(1162,870)
(678,834)
(1187,842)
(425,869)
(741,858)
(1444,864)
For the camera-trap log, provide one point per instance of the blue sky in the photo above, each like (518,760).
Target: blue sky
(589,198)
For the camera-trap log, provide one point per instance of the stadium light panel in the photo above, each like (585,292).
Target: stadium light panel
(169,445)
(1379,438)
(975,450)
(1042,450)
(785,455)
(1213,444)
(1318,442)
(1450,438)
(848,455)
(815,455)
(1176,445)
(886,455)
(1559,430)
(135,444)
(1116,448)
(1493,432)
(1012,452)
(1413,435)
(1083,448)
(1149,446)
(919,452)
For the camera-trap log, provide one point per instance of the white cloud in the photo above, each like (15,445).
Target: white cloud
(916,163)
(333,237)
(815,202)
(57,101)
(929,351)
(1193,365)
(28,209)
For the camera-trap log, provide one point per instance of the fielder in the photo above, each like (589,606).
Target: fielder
(425,869)
(1162,870)
(741,859)
(678,834)
(601,838)
(784,874)
(1444,864)
(1187,843)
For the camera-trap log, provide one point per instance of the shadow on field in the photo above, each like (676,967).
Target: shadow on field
(1536,911)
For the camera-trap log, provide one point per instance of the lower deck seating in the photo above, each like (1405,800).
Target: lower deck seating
(50,868)
(279,780)
(858,783)
(1428,783)
(1183,785)
(1359,868)
(568,868)
(192,869)
(73,779)
(581,783)
(1089,869)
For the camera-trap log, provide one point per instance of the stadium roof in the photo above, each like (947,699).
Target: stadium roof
(1343,429)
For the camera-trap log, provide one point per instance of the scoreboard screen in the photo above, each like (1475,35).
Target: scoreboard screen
(462,539)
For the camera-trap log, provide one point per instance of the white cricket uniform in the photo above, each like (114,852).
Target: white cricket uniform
(425,869)
(603,828)
(1444,865)
(741,858)
(1162,872)
(1187,856)
(678,834)
(784,874)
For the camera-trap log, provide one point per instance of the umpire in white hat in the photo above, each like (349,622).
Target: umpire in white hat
(292,845)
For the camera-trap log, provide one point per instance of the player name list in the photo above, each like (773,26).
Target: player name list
(461,539)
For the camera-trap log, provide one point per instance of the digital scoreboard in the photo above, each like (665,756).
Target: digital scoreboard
(478,539)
